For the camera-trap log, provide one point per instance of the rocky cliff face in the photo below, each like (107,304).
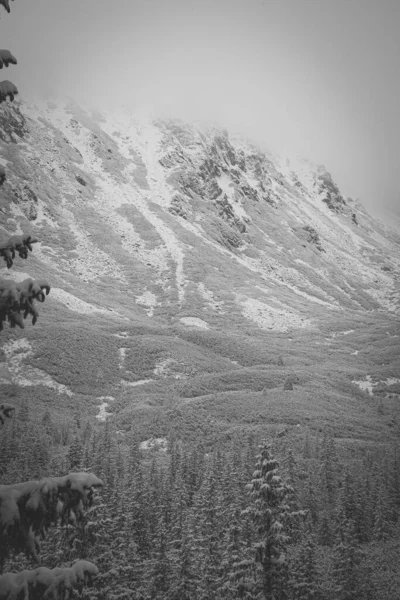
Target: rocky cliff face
(162,223)
(176,214)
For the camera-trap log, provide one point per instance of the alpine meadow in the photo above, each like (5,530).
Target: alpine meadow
(199,365)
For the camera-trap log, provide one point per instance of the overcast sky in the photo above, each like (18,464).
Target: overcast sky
(320,78)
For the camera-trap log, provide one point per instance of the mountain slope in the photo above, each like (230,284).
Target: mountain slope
(177,252)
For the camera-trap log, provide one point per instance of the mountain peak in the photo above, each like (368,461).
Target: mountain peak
(190,221)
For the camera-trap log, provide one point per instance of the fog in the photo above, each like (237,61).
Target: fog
(316,78)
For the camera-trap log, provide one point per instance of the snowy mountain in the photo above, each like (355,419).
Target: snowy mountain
(176,230)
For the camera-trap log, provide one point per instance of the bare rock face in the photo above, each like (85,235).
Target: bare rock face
(12,125)
(329,191)
(188,218)
(313,237)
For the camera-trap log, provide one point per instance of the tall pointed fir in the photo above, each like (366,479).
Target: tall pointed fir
(346,554)
(270,512)
(207,504)
(304,575)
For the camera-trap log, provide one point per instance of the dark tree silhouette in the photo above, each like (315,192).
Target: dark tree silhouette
(7,90)
(6,58)
(17,299)
(6,411)
(28,509)
(6,4)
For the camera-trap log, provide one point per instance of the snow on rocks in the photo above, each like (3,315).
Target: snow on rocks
(148,300)
(228,189)
(208,296)
(162,368)
(267,317)
(13,274)
(125,383)
(91,262)
(387,298)
(103,414)
(168,368)
(160,444)
(160,193)
(367,385)
(341,333)
(194,322)
(76,304)
(122,355)
(122,334)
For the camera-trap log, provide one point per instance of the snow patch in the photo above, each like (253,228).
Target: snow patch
(387,298)
(91,262)
(76,304)
(103,414)
(125,383)
(149,300)
(161,369)
(391,381)
(340,333)
(267,317)
(368,385)
(13,274)
(227,188)
(122,355)
(195,322)
(208,296)
(160,444)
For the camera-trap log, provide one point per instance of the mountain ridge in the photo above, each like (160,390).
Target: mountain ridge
(198,178)
(168,245)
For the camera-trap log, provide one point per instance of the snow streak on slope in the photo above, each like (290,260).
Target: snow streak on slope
(167,214)
(147,141)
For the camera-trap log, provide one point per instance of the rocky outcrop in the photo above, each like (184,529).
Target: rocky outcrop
(330,193)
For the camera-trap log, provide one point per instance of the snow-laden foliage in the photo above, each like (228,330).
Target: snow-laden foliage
(6,4)
(16,243)
(6,58)
(5,412)
(17,300)
(28,509)
(7,89)
(53,584)
(271,510)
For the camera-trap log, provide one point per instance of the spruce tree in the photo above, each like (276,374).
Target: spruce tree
(269,510)
(346,557)
(185,580)
(207,504)
(304,579)
(329,469)
(238,568)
